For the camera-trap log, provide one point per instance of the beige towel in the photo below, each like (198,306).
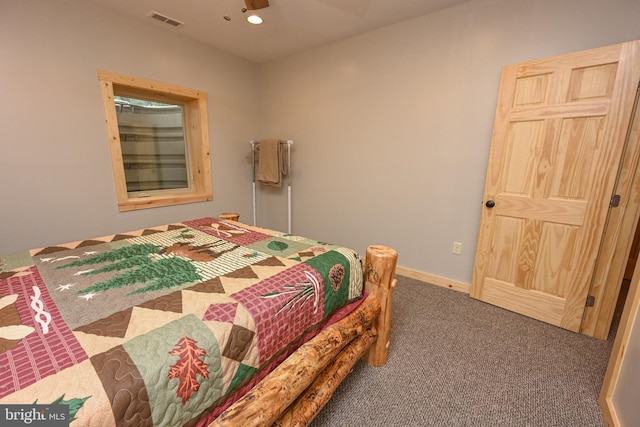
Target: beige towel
(272,163)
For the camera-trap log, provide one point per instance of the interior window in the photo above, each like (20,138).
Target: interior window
(158,138)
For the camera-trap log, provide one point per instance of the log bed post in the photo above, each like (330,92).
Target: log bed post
(379,280)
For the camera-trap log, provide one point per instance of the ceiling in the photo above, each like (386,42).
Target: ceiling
(289,27)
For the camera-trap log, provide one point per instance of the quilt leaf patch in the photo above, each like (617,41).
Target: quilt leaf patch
(277,246)
(74,405)
(188,366)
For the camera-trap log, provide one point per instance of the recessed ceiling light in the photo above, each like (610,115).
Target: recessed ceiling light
(254,19)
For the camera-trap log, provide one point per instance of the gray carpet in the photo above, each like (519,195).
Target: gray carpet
(455,361)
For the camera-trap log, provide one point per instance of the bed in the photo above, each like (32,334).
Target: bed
(207,322)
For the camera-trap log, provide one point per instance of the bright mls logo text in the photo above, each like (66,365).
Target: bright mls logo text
(36,415)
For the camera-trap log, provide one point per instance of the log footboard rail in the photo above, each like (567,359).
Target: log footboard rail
(295,392)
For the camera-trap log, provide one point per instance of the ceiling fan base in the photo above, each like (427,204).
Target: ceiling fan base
(256,4)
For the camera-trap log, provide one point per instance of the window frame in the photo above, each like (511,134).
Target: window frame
(196,131)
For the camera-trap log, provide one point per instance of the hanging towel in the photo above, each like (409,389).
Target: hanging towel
(272,165)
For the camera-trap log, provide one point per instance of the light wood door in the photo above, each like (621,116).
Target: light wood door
(558,138)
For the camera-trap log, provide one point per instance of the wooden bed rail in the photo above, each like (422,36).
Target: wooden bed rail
(264,403)
(295,392)
(307,406)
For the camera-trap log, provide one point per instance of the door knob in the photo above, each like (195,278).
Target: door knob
(490,203)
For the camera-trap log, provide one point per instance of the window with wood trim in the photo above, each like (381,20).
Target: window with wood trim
(159,141)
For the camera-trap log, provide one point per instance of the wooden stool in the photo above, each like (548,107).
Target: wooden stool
(230,216)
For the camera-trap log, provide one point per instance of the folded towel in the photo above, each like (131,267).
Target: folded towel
(272,163)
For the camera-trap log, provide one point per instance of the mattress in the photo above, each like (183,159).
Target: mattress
(167,325)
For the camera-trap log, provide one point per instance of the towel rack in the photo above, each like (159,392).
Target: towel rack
(254,144)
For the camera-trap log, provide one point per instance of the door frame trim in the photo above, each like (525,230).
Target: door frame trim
(618,236)
(618,353)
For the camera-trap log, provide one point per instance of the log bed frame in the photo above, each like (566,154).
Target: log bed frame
(295,391)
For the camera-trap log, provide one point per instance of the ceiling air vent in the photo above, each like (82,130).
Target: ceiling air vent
(163,18)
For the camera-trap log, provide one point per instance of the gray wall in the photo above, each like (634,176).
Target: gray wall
(56,182)
(393,127)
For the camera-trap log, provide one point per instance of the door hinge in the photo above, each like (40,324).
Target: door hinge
(615,201)
(591,301)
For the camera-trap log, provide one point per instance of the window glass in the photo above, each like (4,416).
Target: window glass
(153,145)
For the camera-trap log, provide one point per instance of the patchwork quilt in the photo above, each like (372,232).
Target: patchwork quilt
(164,326)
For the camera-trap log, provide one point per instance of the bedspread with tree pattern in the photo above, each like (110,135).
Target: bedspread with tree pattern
(163,326)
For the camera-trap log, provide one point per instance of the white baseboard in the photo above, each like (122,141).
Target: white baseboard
(433,279)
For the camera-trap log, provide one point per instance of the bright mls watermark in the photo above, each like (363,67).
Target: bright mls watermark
(34,415)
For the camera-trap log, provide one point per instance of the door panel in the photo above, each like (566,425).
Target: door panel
(558,139)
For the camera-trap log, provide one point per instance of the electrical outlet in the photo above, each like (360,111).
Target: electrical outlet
(457,248)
